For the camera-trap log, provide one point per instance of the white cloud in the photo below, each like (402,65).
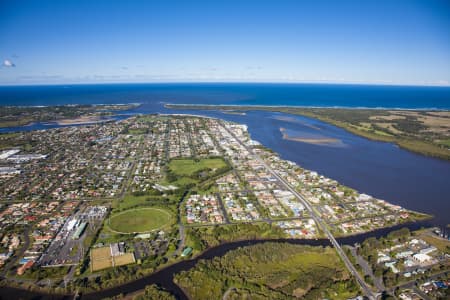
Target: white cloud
(7,63)
(443,82)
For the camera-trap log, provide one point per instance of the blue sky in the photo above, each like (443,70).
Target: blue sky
(379,42)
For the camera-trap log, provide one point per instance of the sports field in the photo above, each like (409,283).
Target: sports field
(187,167)
(140,220)
(125,259)
(100,258)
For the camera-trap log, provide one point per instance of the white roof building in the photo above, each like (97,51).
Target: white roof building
(420,257)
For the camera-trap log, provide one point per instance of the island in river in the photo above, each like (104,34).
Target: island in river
(311,140)
(422,131)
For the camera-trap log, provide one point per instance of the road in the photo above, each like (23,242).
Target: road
(321,224)
(225,215)
(412,284)
(181,227)
(378,282)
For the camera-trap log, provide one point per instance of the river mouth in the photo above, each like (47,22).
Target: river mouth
(380,169)
(268,133)
(164,277)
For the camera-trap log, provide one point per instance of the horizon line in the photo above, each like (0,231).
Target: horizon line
(229,82)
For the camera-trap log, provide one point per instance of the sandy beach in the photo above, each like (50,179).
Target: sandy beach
(83,120)
(317,141)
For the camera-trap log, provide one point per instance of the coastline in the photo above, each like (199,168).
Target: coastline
(410,144)
(255,106)
(259,240)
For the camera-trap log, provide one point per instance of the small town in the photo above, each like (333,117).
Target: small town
(88,200)
(225,150)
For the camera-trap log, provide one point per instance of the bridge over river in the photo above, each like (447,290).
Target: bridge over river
(319,221)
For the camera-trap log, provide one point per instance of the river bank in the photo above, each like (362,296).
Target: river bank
(364,122)
(164,276)
(382,169)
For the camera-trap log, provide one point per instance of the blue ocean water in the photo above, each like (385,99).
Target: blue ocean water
(380,169)
(326,95)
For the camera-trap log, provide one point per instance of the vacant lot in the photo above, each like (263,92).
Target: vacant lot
(140,220)
(100,258)
(440,243)
(187,167)
(125,259)
(131,201)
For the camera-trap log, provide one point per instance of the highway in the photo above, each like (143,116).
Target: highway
(322,225)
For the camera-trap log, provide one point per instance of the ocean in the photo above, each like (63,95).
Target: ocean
(380,169)
(322,95)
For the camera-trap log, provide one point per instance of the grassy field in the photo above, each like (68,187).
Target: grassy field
(441,244)
(445,142)
(125,259)
(187,167)
(140,220)
(183,181)
(100,258)
(130,201)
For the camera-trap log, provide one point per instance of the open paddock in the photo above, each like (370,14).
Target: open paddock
(125,259)
(101,258)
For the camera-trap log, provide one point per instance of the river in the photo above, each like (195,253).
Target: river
(164,277)
(380,169)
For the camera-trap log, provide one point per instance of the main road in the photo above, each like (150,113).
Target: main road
(319,221)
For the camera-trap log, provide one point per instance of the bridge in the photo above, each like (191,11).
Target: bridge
(319,221)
